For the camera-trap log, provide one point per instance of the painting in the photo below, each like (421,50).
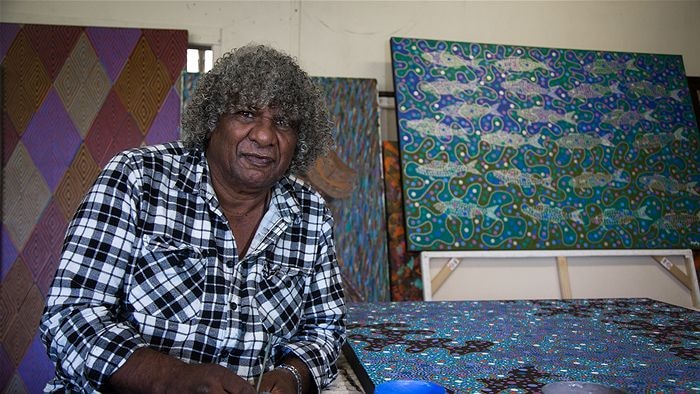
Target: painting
(405,267)
(637,345)
(358,209)
(72,98)
(515,147)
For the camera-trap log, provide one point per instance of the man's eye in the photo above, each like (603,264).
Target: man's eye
(245,116)
(283,123)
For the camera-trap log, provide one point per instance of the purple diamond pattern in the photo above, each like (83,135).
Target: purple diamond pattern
(113,47)
(165,127)
(51,123)
(36,369)
(9,254)
(8,31)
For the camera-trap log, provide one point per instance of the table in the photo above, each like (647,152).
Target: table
(637,345)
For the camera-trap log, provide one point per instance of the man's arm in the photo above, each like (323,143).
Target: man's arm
(79,326)
(149,371)
(294,378)
(317,343)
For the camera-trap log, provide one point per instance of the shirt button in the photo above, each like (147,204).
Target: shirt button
(234,306)
(223,354)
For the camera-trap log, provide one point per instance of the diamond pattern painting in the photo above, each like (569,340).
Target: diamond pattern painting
(513,147)
(72,97)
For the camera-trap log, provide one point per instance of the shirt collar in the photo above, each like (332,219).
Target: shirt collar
(193,177)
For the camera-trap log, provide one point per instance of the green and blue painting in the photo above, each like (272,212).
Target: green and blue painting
(514,147)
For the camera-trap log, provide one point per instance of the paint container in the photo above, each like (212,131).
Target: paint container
(572,387)
(409,387)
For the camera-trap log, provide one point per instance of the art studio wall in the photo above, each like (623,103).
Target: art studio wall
(351,38)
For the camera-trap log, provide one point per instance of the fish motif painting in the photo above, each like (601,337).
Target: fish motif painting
(516,147)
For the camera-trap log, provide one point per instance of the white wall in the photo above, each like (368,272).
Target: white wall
(351,38)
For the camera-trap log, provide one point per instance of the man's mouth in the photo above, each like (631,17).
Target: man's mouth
(257,159)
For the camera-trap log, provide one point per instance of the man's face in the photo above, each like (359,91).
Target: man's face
(251,149)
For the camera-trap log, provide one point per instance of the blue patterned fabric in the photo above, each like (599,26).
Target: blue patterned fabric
(637,345)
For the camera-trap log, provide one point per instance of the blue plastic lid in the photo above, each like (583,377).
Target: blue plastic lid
(409,386)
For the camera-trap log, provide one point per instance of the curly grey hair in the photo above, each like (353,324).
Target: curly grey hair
(255,77)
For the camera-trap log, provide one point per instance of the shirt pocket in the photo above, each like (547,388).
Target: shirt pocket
(280,298)
(168,281)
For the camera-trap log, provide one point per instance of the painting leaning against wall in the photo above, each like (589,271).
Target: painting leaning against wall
(404,266)
(513,147)
(72,98)
(360,229)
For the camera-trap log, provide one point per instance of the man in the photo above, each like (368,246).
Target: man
(206,265)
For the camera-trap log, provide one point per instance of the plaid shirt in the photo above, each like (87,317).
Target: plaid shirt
(149,260)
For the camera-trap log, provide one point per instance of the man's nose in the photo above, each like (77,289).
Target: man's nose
(263,131)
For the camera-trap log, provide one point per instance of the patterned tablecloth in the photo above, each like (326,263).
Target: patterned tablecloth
(637,345)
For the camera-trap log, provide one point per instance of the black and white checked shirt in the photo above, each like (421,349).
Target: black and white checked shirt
(149,260)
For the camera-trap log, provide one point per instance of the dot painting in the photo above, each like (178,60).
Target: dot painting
(637,345)
(514,147)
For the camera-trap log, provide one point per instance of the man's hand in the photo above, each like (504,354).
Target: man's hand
(206,378)
(148,371)
(278,381)
(282,381)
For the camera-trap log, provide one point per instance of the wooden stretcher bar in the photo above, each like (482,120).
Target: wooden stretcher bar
(688,278)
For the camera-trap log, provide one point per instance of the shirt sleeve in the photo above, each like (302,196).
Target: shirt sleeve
(80,327)
(322,331)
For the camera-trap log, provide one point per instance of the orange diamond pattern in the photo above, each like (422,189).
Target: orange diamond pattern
(34,219)
(30,309)
(143,85)
(19,281)
(25,82)
(80,175)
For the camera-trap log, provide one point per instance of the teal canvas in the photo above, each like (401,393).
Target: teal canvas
(514,147)
(359,218)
